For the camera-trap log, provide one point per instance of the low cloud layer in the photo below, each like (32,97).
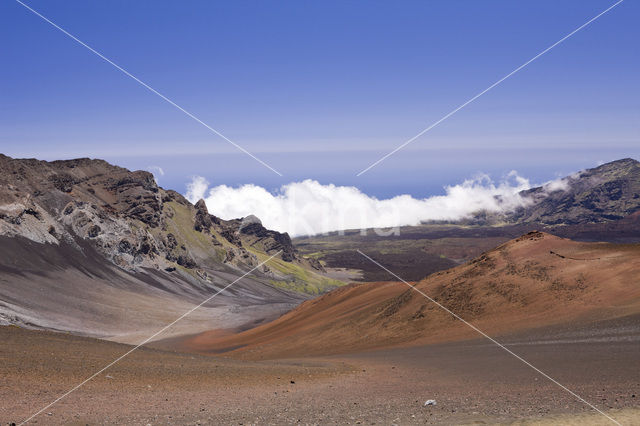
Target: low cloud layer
(308,207)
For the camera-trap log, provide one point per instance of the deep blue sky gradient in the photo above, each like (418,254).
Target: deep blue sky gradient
(321,89)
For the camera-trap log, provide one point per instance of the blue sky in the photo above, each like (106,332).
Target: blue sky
(322,89)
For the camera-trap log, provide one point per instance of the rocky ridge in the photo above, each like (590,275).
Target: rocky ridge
(605,193)
(132,221)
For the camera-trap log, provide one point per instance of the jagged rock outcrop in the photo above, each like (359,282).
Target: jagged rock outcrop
(271,241)
(131,220)
(203,222)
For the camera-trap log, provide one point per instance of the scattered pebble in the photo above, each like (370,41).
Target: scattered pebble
(430,402)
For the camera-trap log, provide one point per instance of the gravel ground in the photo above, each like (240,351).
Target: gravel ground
(473,383)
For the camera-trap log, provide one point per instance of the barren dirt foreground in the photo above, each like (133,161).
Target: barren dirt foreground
(472,382)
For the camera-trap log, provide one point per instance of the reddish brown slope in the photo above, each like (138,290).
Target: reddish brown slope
(535,280)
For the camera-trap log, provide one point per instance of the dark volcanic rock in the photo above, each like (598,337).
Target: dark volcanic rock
(606,193)
(94,231)
(171,195)
(171,241)
(137,197)
(202,221)
(186,261)
(124,246)
(62,181)
(272,241)
(315,264)
(232,236)
(31,212)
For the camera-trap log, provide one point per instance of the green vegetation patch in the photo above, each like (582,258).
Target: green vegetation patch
(296,278)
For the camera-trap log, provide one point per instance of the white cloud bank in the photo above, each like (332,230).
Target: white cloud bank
(308,207)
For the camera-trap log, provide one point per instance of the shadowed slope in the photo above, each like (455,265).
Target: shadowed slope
(58,287)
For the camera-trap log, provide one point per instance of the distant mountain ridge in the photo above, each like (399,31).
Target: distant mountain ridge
(605,193)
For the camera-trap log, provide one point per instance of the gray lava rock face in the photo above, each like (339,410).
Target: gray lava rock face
(273,241)
(124,214)
(202,222)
